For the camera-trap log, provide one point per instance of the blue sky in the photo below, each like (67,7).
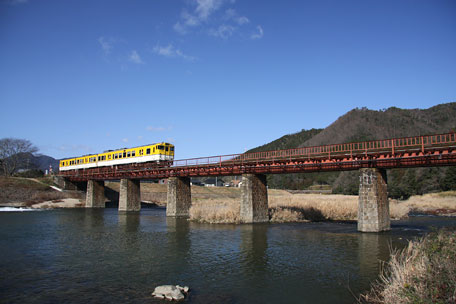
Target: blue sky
(213,76)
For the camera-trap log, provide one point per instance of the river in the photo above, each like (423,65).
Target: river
(101,256)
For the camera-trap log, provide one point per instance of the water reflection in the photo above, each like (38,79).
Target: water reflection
(57,256)
(93,218)
(254,246)
(129,221)
(371,251)
(178,245)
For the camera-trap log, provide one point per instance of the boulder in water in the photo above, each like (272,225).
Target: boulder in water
(170,292)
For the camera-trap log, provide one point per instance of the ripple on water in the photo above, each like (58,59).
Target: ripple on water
(101,256)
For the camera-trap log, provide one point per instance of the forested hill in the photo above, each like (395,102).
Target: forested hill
(364,124)
(289,141)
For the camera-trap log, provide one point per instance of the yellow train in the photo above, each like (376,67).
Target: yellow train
(157,153)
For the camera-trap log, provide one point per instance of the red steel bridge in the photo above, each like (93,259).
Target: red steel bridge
(417,151)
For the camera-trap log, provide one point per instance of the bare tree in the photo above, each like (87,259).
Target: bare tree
(14,153)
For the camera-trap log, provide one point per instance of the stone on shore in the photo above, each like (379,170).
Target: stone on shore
(170,292)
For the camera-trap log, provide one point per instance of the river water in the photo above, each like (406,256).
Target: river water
(101,256)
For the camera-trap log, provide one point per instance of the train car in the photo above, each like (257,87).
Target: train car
(160,153)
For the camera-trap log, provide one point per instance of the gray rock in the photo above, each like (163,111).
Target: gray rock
(184,289)
(170,292)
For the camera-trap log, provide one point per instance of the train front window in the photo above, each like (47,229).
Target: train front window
(166,149)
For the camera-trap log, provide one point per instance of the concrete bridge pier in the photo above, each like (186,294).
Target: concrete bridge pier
(95,197)
(254,199)
(373,204)
(130,195)
(179,197)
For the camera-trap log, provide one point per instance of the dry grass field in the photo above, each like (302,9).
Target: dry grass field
(222,204)
(288,207)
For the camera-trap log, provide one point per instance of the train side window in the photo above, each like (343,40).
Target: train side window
(148,151)
(124,154)
(141,152)
(172,149)
(133,153)
(128,154)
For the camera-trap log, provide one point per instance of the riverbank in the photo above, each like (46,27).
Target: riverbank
(36,193)
(290,207)
(222,204)
(423,272)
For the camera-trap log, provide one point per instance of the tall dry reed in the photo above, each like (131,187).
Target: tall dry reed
(423,272)
(215,210)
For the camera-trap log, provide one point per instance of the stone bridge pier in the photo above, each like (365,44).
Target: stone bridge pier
(179,198)
(254,199)
(373,204)
(129,195)
(95,197)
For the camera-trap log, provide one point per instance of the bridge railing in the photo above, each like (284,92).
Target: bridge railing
(349,150)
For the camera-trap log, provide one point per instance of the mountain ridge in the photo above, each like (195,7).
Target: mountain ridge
(362,124)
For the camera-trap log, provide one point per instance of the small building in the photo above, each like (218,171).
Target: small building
(196,182)
(214,182)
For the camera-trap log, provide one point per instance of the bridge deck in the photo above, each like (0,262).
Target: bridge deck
(418,151)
